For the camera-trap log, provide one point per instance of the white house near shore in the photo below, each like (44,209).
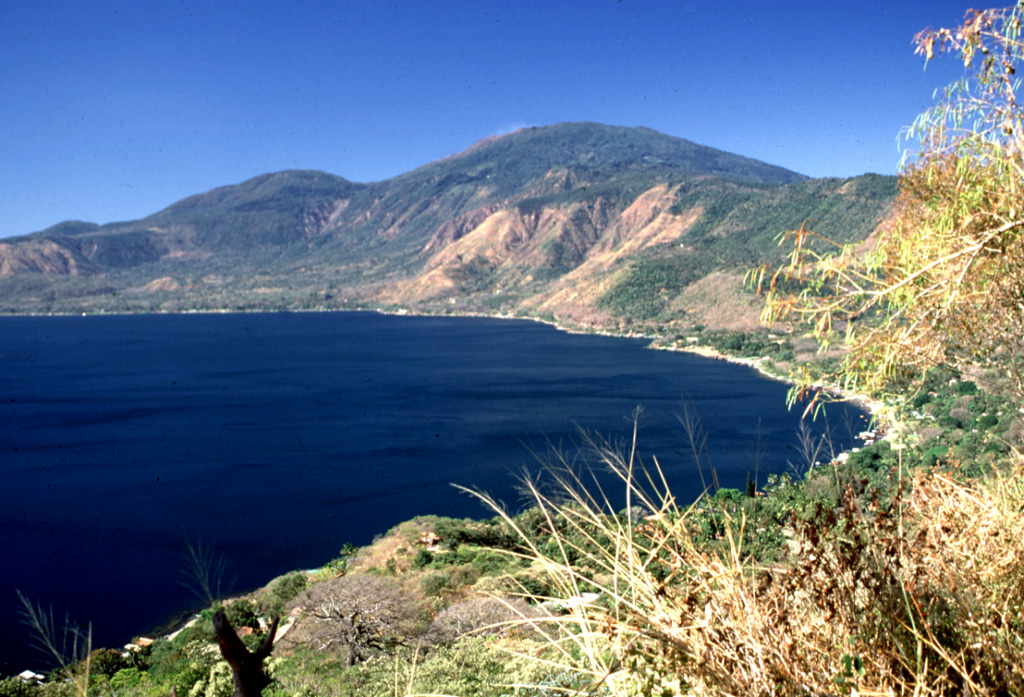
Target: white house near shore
(29,676)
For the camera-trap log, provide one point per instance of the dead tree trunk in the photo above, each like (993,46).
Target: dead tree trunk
(250,679)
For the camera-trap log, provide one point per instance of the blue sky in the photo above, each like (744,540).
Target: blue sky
(113,110)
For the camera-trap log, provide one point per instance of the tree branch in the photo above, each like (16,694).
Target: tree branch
(250,679)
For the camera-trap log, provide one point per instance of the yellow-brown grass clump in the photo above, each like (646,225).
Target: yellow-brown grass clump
(921,595)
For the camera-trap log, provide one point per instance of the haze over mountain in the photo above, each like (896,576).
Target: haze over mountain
(587,223)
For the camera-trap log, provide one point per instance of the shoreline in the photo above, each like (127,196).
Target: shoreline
(882,420)
(875,407)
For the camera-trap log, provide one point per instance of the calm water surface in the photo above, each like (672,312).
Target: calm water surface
(279,437)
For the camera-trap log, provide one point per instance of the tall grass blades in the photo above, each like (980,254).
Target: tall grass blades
(918,595)
(70,646)
(204,571)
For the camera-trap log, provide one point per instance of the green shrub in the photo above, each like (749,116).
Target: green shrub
(987,421)
(182,663)
(109,661)
(996,447)
(966,387)
(873,457)
(14,687)
(219,682)
(201,631)
(278,594)
(242,613)
(289,587)
(422,558)
(489,561)
(128,679)
(935,455)
(433,585)
(727,496)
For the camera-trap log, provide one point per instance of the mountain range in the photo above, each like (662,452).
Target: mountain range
(589,224)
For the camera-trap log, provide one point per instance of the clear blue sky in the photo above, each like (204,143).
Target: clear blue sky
(114,110)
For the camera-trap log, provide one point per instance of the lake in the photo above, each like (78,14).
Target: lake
(279,437)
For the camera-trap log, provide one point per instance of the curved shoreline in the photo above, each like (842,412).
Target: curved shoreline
(877,408)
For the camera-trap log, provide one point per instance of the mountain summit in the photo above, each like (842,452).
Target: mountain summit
(575,220)
(611,150)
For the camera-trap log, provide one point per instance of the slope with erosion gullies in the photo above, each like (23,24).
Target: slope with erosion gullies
(299,212)
(430,205)
(639,254)
(565,220)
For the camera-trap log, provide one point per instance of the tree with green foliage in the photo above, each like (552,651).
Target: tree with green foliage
(944,284)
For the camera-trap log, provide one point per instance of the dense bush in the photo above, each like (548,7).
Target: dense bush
(242,613)
(109,661)
(471,666)
(14,687)
(272,601)
(128,679)
(182,663)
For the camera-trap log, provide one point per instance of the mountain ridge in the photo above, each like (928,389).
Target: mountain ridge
(578,211)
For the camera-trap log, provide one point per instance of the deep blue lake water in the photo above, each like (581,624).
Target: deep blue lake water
(279,437)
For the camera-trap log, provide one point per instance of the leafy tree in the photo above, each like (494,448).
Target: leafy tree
(242,613)
(945,281)
(110,661)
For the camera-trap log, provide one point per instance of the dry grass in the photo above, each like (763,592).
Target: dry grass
(70,647)
(393,551)
(921,596)
(718,300)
